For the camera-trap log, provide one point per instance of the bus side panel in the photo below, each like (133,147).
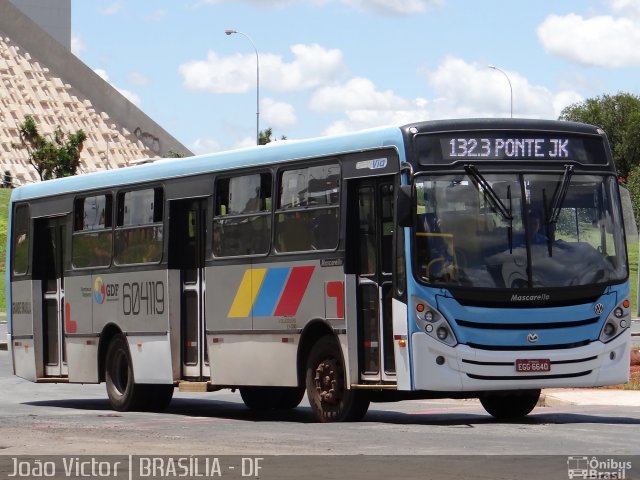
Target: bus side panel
(151,358)
(228,299)
(138,303)
(81,340)
(253,359)
(403,368)
(27,333)
(269,305)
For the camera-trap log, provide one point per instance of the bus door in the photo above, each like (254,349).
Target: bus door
(374,278)
(49,255)
(187,240)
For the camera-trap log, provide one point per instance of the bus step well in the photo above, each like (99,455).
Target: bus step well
(190,386)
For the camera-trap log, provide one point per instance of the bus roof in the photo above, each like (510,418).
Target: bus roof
(279,152)
(162,169)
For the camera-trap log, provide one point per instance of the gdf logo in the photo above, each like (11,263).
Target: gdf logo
(99,291)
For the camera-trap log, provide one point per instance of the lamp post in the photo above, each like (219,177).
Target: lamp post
(231,32)
(493,67)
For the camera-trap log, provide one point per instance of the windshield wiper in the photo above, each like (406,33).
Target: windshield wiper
(491,195)
(559,195)
(489,192)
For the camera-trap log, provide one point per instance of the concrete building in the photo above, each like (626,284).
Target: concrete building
(53,16)
(39,76)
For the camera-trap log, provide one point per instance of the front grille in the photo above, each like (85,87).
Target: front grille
(526,326)
(561,346)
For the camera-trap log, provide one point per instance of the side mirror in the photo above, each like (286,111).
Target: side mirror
(404,206)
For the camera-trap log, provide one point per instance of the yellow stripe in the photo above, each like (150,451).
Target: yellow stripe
(247,293)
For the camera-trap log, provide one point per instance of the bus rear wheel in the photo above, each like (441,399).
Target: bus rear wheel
(510,405)
(267,398)
(328,395)
(122,390)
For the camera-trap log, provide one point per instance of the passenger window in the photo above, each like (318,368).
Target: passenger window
(139,231)
(20,240)
(92,235)
(242,224)
(307,215)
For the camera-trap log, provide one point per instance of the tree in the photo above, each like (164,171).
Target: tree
(619,116)
(264,136)
(52,158)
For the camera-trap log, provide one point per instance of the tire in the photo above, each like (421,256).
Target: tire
(268,398)
(124,394)
(329,398)
(510,405)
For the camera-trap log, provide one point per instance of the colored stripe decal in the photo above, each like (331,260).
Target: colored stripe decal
(247,292)
(294,291)
(270,291)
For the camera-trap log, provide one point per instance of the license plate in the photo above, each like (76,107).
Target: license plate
(533,365)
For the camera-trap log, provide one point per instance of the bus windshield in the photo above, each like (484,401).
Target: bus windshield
(528,230)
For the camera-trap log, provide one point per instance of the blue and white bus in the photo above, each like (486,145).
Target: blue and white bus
(459,258)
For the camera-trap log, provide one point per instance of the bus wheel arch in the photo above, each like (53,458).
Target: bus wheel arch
(312,332)
(108,332)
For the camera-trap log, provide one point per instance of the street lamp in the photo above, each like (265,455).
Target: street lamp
(231,32)
(493,67)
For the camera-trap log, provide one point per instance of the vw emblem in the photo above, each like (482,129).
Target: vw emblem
(533,338)
(599,308)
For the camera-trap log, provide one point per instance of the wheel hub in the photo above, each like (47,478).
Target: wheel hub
(327,382)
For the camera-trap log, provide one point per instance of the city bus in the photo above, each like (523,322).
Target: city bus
(477,258)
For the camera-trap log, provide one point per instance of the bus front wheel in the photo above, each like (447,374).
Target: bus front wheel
(327,391)
(510,405)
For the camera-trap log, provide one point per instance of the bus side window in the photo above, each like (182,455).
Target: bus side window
(242,225)
(92,240)
(307,215)
(138,235)
(20,240)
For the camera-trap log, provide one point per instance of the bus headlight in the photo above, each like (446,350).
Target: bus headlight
(433,323)
(617,322)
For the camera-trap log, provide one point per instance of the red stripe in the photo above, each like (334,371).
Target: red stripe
(294,291)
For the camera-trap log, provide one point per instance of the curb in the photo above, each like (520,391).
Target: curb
(551,401)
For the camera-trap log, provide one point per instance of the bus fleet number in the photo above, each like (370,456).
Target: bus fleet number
(146,298)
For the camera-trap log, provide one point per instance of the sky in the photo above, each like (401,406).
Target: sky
(334,66)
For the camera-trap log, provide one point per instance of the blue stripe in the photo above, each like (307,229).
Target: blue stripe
(269,295)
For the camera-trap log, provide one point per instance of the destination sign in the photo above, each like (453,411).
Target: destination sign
(462,146)
(471,147)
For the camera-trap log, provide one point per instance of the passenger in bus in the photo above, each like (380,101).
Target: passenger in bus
(534,233)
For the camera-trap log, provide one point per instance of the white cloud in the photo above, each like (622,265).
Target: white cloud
(311,66)
(278,115)
(393,7)
(111,9)
(204,145)
(356,94)
(602,41)
(460,89)
(383,7)
(77,45)
(137,78)
(471,89)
